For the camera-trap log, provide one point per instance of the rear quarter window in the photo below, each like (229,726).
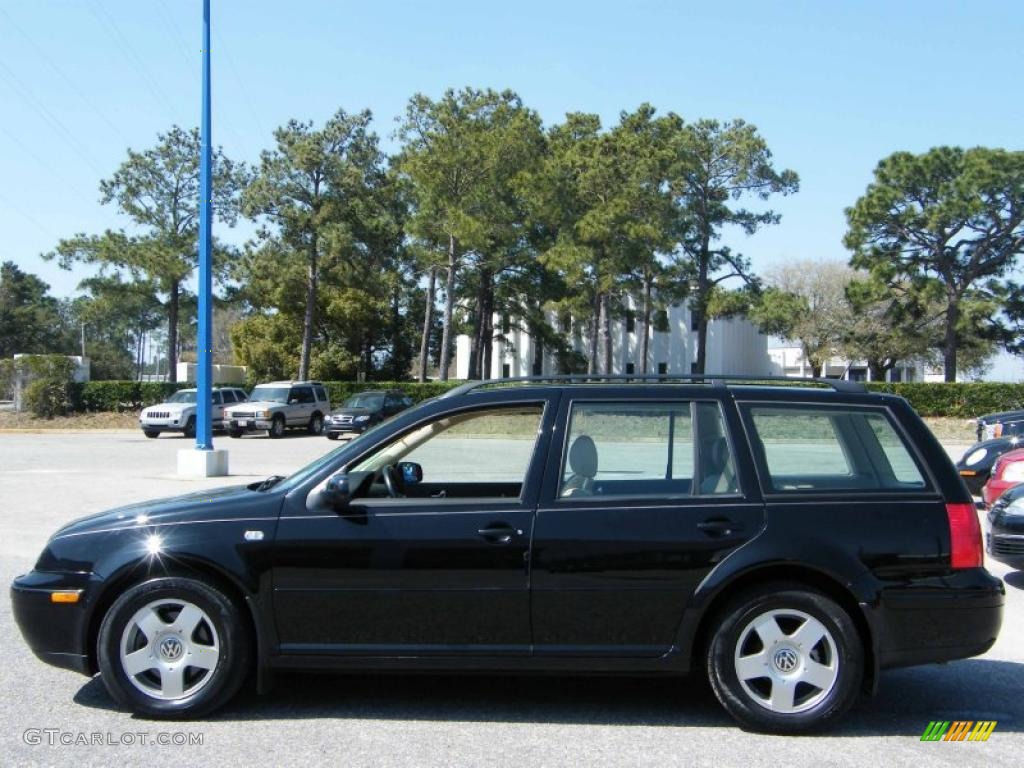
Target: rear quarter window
(805,448)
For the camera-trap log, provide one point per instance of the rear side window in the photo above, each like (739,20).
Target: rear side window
(321,393)
(812,448)
(303,395)
(646,449)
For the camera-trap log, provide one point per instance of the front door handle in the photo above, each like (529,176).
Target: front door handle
(719,526)
(499,533)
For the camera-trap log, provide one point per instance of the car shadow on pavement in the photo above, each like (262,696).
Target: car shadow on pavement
(1015,579)
(976,689)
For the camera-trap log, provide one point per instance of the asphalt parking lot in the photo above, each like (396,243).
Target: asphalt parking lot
(48,479)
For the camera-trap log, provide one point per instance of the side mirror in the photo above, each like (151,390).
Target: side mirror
(337,492)
(412,473)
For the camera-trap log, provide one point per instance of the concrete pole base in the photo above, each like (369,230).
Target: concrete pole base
(195,463)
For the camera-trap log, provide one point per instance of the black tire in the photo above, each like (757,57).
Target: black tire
(818,707)
(316,424)
(151,433)
(277,427)
(234,433)
(190,427)
(332,435)
(215,687)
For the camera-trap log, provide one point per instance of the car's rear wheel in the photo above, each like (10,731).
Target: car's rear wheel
(316,424)
(173,648)
(276,427)
(190,427)
(785,658)
(151,433)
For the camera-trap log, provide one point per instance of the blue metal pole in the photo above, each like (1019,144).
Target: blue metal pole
(204,341)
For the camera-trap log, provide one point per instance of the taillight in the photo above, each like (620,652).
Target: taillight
(964,536)
(1011,471)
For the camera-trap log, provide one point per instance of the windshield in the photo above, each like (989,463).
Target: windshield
(369,402)
(270,394)
(183,396)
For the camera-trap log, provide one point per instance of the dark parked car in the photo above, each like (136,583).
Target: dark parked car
(1005,536)
(975,466)
(364,410)
(1000,425)
(790,542)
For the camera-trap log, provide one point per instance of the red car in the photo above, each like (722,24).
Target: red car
(1007,472)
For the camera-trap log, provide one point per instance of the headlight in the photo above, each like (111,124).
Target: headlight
(975,456)
(361,419)
(1015,508)
(1014,472)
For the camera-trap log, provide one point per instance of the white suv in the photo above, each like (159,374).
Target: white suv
(178,412)
(279,405)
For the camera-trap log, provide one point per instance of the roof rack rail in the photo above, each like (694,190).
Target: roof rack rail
(713,379)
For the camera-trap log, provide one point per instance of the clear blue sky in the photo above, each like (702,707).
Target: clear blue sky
(832,86)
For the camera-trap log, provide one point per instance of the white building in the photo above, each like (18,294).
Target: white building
(788,360)
(734,345)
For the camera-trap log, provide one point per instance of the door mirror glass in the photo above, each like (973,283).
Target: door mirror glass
(337,492)
(412,473)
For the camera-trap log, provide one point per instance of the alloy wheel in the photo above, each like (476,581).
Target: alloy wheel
(169,649)
(786,660)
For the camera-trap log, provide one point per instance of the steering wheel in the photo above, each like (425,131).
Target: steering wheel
(393,481)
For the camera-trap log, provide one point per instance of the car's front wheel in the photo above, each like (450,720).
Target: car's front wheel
(151,433)
(190,427)
(784,658)
(173,648)
(277,427)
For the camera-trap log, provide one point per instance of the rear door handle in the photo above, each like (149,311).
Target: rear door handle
(720,526)
(499,533)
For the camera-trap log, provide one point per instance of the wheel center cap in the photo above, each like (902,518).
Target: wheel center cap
(171,648)
(785,659)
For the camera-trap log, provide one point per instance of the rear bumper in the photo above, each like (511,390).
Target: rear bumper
(938,619)
(55,632)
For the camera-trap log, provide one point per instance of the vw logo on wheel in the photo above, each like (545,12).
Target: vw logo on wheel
(170,648)
(785,660)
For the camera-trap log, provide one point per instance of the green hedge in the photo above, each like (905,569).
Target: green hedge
(121,395)
(966,401)
(960,400)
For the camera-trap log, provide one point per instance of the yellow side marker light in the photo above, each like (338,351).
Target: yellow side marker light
(65,597)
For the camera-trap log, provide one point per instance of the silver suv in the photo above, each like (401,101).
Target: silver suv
(280,405)
(178,412)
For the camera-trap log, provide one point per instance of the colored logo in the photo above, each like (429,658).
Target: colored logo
(958,730)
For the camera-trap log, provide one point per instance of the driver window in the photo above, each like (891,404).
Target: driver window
(475,454)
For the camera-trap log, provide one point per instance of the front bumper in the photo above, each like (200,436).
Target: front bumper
(55,632)
(937,619)
(246,424)
(1004,540)
(350,428)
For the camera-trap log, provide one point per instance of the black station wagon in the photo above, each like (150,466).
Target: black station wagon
(789,542)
